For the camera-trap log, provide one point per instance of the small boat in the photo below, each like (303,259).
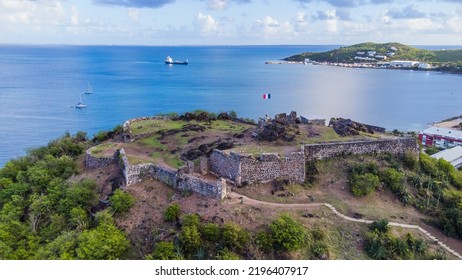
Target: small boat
(89,90)
(170,61)
(81,104)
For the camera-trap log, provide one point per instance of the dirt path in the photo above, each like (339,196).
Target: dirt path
(254,202)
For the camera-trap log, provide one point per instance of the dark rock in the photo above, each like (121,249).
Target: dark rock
(225,145)
(347,127)
(193,154)
(204,148)
(203,116)
(358,216)
(223,116)
(289,137)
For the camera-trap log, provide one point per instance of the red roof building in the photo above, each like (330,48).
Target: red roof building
(440,137)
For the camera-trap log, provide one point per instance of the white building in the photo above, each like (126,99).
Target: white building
(423,65)
(440,137)
(453,156)
(404,63)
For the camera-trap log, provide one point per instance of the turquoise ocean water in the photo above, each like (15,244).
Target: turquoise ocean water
(39,85)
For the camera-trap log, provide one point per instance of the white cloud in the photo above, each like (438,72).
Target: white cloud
(40,12)
(134,14)
(270,28)
(206,25)
(217,4)
(301,22)
(75,16)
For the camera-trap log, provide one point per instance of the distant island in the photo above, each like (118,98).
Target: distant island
(388,55)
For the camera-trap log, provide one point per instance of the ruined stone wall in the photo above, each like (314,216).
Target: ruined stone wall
(209,188)
(134,173)
(137,173)
(269,167)
(94,162)
(328,150)
(127,133)
(166,175)
(224,165)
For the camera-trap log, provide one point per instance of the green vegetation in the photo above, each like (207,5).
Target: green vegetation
(402,52)
(287,234)
(381,244)
(172,213)
(363,178)
(121,201)
(43,215)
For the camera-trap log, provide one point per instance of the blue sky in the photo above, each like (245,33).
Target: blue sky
(230,22)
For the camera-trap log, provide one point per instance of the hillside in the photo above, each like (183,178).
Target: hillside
(53,206)
(393,51)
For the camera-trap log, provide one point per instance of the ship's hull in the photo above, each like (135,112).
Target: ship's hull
(177,62)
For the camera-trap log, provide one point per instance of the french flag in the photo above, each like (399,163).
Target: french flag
(267,96)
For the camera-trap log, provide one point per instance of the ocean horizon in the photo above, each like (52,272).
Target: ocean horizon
(40,84)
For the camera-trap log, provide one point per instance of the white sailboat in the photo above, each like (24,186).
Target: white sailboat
(81,104)
(89,90)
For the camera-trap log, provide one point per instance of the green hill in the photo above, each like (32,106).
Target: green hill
(393,51)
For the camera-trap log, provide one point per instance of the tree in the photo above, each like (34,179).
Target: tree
(121,201)
(288,235)
(105,242)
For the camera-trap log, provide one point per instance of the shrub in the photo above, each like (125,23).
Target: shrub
(172,213)
(121,201)
(445,166)
(410,160)
(226,254)
(234,237)
(191,220)
(380,226)
(190,239)
(165,251)
(264,241)
(288,234)
(456,178)
(364,184)
(210,232)
(393,179)
(428,164)
(320,250)
(233,114)
(363,168)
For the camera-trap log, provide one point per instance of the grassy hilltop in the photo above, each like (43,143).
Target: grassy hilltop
(401,52)
(53,207)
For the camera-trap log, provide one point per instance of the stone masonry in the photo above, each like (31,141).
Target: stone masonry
(329,150)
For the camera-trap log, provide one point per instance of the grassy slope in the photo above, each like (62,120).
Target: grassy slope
(347,54)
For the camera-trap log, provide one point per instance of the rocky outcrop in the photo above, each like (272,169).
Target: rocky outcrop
(347,127)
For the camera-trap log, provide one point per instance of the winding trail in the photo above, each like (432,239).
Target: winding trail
(253,202)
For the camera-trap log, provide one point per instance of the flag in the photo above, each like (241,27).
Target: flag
(267,96)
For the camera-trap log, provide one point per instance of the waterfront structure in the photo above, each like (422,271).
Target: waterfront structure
(453,156)
(440,137)
(404,63)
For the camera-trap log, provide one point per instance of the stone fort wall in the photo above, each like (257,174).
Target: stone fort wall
(269,166)
(93,162)
(329,150)
(178,180)
(245,169)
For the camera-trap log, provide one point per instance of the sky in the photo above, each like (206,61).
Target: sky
(230,22)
